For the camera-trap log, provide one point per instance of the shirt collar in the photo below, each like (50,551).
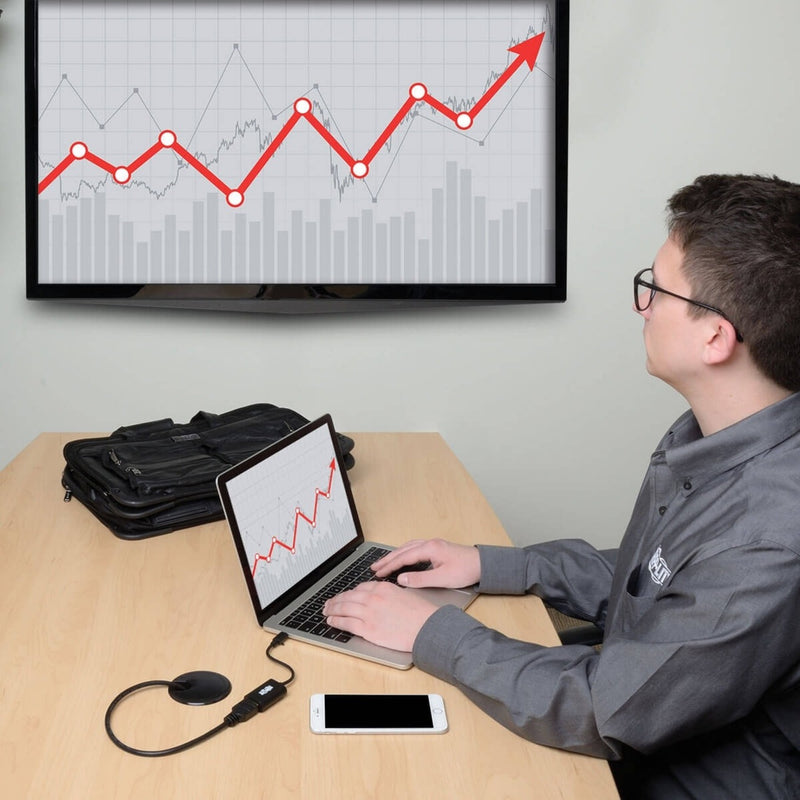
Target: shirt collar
(691,455)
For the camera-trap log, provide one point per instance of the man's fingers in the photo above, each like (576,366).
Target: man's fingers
(343,607)
(403,556)
(421,579)
(349,624)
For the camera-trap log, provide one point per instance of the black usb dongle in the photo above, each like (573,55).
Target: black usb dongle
(255,702)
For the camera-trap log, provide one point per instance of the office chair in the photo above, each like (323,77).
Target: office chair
(574,631)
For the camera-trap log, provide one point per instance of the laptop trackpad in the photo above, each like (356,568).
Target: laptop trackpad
(447,597)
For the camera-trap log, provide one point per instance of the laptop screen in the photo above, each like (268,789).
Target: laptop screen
(289,510)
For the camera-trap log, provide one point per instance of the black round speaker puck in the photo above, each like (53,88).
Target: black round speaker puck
(200,688)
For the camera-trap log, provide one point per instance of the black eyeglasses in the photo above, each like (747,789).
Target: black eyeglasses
(642,300)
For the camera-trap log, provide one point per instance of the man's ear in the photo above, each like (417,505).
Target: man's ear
(720,342)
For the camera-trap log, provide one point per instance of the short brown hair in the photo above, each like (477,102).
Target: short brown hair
(740,235)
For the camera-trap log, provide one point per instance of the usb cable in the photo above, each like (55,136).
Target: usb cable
(255,702)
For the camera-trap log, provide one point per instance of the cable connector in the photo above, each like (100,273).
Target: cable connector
(255,702)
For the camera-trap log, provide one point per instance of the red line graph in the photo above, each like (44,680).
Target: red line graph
(298,515)
(526,53)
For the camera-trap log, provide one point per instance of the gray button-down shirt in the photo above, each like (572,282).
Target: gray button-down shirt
(696,692)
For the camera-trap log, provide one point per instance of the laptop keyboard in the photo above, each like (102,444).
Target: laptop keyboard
(308,617)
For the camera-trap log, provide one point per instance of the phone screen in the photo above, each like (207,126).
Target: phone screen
(353,711)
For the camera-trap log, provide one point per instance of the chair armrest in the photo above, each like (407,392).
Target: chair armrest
(585,633)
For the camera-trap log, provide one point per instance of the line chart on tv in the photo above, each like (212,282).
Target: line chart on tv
(296,142)
(292,512)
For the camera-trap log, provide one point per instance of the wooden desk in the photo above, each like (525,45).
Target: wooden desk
(86,615)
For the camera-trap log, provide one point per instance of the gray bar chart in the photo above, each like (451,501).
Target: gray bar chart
(82,243)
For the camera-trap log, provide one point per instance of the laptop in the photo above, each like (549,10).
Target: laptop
(296,529)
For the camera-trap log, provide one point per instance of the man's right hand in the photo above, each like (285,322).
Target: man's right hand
(453,566)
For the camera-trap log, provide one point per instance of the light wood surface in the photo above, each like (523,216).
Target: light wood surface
(85,615)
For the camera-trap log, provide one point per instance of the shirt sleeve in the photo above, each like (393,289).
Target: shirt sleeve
(570,574)
(683,664)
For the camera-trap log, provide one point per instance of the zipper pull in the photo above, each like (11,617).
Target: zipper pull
(68,495)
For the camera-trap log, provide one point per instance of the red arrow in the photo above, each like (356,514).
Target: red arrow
(527,52)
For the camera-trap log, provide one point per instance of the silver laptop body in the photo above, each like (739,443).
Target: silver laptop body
(291,513)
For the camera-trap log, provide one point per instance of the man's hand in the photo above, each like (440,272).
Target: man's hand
(453,566)
(381,613)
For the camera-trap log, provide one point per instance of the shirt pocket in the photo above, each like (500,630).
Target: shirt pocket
(637,599)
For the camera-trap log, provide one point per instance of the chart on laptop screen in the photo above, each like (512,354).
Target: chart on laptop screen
(280,142)
(292,512)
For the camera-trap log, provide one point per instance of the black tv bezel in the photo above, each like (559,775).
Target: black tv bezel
(302,298)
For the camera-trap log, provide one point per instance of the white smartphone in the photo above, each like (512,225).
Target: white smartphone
(378,713)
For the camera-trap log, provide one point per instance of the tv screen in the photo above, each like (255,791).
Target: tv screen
(315,155)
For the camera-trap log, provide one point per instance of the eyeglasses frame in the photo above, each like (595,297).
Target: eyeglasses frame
(638,282)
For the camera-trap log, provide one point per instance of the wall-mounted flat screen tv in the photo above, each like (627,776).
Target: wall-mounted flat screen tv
(296,155)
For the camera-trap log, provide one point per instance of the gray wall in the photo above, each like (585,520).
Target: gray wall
(549,407)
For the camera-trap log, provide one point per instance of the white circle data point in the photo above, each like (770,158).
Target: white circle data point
(302,106)
(79,150)
(359,170)
(121,175)
(235,199)
(464,121)
(167,138)
(418,91)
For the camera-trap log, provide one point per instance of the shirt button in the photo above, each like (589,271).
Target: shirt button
(662,510)
(687,485)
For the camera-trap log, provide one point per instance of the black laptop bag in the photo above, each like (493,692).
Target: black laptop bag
(156,477)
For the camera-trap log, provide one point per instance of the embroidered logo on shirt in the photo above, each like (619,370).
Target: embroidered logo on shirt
(659,571)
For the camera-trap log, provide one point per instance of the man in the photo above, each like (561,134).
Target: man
(696,690)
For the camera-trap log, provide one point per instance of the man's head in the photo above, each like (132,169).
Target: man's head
(740,238)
